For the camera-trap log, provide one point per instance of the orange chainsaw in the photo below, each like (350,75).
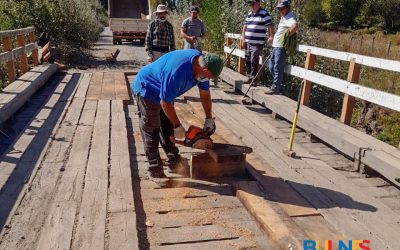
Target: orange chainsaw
(195,137)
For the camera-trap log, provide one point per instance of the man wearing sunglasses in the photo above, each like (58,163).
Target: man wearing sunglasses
(256,25)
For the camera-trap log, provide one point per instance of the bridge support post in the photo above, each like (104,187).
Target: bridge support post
(35,54)
(348,101)
(23,58)
(310,62)
(10,64)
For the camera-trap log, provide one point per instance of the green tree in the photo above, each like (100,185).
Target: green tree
(313,13)
(341,12)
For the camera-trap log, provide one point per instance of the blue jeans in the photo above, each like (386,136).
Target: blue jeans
(276,68)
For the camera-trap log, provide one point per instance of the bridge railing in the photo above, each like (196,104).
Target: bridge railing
(349,87)
(25,46)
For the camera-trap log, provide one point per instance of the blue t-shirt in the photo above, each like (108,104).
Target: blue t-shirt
(168,77)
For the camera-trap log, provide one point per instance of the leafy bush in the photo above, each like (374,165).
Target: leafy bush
(72,24)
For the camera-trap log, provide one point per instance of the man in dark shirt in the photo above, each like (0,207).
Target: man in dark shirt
(160,35)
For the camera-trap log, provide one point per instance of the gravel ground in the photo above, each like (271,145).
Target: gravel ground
(131,55)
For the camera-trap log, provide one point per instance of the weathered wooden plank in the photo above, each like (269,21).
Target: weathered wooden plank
(91,225)
(108,88)
(192,234)
(60,222)
(203,166)
(57,231)
(269,217)
(176,204)
(122,231)
(81,92)
(9,108)
(96,82)
(308,175)
(34,195)
(120,192)
(278,190)
(341,139)
(41,124)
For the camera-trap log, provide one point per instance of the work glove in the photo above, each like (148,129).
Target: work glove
(179,132)
(209,126)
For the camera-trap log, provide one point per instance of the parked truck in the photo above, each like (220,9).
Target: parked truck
(128,19)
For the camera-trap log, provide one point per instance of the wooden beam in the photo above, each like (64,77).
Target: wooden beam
(381,98)
(203,166)
(12,33)
(310,62)
(241,60)
(348,101)
(379,63)
(35,54)
(10,63)
(23,58)
(228,43)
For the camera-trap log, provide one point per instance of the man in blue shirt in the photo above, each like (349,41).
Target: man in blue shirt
(156,86)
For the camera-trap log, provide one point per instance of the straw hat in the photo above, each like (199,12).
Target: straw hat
(161,8)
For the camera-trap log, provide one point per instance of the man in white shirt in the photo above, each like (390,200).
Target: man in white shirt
(287,24)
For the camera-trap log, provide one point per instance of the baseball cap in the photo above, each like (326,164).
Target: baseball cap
(283,3)
(194,8)
(214,64)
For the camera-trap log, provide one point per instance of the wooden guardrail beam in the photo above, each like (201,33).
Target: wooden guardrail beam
(309,64)
(10,54)
(10,62)
(13,33)
(348,101)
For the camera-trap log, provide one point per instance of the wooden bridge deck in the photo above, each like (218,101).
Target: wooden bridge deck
(76,179)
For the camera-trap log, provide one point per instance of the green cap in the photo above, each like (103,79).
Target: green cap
(214,63)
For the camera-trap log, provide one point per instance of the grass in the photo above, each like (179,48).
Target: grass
(384,124)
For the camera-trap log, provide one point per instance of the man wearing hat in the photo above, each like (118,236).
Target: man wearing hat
(256,25)
(193,30)
(287,27)
(160,35)
(156,86)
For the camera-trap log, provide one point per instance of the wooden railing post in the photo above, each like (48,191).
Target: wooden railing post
(241,60)
(228,43)
(348,101)
(10,64)
(35,54)
(23,58)
(310,62)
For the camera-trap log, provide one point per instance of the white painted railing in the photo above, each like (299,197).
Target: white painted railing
(348,87)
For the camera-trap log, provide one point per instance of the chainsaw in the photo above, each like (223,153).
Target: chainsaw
(196,138)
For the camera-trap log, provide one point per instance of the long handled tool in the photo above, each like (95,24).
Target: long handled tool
(289,152)
(245,100)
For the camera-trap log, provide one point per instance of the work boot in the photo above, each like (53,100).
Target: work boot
(270,91)
(172,163)
(158,176)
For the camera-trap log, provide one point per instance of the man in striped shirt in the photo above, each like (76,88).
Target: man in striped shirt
(254,34)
